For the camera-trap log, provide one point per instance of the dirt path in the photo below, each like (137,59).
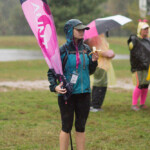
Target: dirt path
(44,85)
(28,85)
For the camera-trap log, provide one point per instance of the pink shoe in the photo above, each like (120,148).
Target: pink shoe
(135,108)
(143,106)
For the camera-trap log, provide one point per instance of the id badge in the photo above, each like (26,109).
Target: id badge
(74,78)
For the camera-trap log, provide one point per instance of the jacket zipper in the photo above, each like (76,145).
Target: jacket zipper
(81,81)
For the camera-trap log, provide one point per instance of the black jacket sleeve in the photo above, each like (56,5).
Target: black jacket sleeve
(132,39)
(92,64)
(92,67)
(52,80)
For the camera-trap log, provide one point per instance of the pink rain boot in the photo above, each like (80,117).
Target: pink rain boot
(135,96)
(143,98)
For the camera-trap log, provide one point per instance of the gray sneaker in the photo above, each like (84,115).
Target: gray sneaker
(92,109)
(135,108)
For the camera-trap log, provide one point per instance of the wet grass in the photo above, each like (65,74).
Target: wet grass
(37,70)
(19,42)
(22,42)
(122,68)
(30,120)
(23,70)
(118,44)
(118,128)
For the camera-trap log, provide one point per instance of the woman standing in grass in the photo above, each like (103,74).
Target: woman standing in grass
(77,68)
(139,58)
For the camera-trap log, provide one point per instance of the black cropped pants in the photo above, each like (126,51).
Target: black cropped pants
(78,105)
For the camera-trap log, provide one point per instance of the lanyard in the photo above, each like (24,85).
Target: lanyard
(78,61)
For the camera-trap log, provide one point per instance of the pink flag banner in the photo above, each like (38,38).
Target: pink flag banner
(40,19)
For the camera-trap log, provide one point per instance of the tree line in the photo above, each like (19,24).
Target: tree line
(13,21)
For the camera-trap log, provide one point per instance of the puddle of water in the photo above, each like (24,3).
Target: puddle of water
(14,55)
(122,57)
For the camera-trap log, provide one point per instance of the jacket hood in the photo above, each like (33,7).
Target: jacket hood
(68,29)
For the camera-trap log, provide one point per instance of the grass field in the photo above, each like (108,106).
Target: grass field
(37,70)
(30,120)
(118,44)
(22,42)
(23,70)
